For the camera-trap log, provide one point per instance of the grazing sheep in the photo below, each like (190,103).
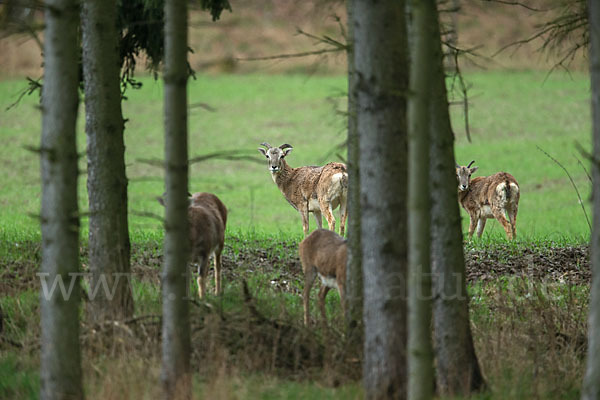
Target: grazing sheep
(323,253)
(207,219)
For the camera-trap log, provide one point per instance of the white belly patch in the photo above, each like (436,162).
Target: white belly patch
(329,281)
(313,204)
(486,212)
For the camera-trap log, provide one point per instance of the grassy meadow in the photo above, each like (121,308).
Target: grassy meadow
(511,116)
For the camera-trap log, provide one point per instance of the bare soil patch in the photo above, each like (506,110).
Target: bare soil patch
(280,263)
(558,264)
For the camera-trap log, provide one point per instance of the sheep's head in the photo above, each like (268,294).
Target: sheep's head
(275,155)
(463,176)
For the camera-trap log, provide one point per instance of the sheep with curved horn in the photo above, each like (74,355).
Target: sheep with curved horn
(310,189)
(484,197)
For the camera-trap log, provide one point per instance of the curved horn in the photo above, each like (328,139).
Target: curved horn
(471,163)
(267,145)
(456,165)
(285,146)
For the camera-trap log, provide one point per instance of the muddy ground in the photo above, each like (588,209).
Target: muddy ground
(559,264)
(282,267)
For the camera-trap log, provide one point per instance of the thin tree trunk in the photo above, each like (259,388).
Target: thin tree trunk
(591,382)
(176,345)
(109,246)
(420,352)
(354,285)
(381,62)
(457,368)
(60,360)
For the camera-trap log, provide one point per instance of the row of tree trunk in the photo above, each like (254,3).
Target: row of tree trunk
(404,146)
(400,136)
(107,189)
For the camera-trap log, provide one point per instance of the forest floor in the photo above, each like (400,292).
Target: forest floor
(528,306)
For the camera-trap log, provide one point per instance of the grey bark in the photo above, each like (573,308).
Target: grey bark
(60,361)
(109,246)
(420,352)
(381,62)
(354,285)
(176,348)
(452,34)
(591,382)
(457,367)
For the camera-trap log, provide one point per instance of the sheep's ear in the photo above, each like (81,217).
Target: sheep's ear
(287,151)
(264,153)
(474,169)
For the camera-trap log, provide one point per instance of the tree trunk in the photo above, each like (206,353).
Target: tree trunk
(381,61)
(60,361)
(457,368)
(591,382)
(354,284)
(449,23)
(420,352)
(110,291)
(176,346)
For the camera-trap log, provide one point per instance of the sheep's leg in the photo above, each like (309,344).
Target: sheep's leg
(305,227)
(472,225)
(499,215)
(341,290)
(326,209)
(512,215)
(318,218)
(322,294)
(343,215)
(309,278)
(202,274)
(480,226)
(218,271)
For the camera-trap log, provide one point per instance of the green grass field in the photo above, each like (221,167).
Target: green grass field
(511,115)
(514,322)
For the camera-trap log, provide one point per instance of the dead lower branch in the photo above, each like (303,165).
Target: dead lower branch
(334,46)
(518,3)
(33,85)
(572,183)
(232,155)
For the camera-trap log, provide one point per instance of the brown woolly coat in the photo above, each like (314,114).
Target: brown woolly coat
(492,196)
(208,217)
(484,187)
(323,253)
(312,182)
